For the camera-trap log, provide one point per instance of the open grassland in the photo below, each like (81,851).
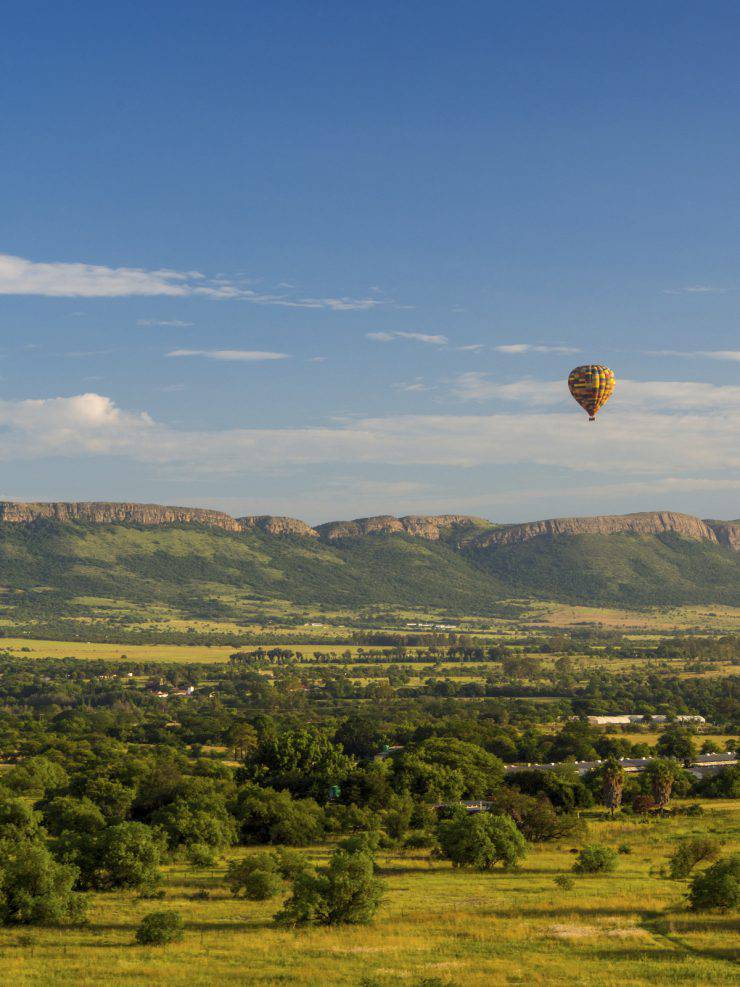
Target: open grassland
(464,928)
(168,653)
(716,618)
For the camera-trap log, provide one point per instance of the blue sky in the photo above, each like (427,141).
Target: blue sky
(336,259)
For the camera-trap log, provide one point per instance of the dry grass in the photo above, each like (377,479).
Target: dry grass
(625,929)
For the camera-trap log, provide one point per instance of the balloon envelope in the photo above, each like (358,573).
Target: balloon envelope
(591,386)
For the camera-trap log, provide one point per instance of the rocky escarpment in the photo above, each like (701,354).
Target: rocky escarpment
(727,532)
(431,526)
(459,529)
(648,523)
(93,512)
(277,525)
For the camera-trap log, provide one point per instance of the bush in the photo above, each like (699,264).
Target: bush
(200,855)
(35,889)
(595,859)
(346,892)
(481,841)
(690,852)
(267,816)
(564,882)
(624,848)
(256,876)
(290,863)
(160,928)
(717,887)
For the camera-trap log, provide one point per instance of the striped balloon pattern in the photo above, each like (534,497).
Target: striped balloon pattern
(591,385)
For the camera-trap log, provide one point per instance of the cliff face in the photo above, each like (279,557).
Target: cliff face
(277,525)
(463,529)
(105,513)
(727,532)
(431,526)
(650,523)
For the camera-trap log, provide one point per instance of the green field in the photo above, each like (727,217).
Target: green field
(463,928)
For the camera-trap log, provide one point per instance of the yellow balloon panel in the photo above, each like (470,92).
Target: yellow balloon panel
(591,385)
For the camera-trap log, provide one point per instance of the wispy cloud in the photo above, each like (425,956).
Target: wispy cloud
(695,289)
(247,356)
(416,337)
(19,276)
(515,348)
(733,356)
(417,384)
(641,442)
(174,323)
(665,395)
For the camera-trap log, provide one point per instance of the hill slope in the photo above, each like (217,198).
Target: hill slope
(206,563)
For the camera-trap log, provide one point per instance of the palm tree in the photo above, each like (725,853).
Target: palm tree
(612,779)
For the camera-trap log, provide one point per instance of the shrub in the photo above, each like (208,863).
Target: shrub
(256,876)
(564,882)
(290,863)
(200,855)
(481,841)
(35,889)
(160,928)
(595,859)
(717,887)
(624,848)
(690,852)
(346,892)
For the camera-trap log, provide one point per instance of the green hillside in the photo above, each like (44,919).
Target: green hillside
(46,566)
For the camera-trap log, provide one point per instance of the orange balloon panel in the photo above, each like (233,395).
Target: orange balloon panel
(591,385)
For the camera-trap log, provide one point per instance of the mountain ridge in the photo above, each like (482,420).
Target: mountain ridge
(56,556)
(433,527)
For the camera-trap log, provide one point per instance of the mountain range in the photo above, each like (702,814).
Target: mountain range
(53,555)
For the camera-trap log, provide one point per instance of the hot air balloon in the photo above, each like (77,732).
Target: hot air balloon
(592,386)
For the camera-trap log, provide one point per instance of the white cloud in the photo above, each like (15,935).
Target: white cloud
(416,337)
(516,348)
(412,385)
(175,323)
(666,395)
(19,276)
(629,445)
(733,356)
(695,289)
(247,356)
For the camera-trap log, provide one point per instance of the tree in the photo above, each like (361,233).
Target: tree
(595,859)
(481,840)
(198,815)
(66,813)
(535,817)
(676,741)
(723,785)
(126,855)
(661,775)
(160,928)
(346,892)
(305,761)
(717,887)
(256,875)
(35,889)
(446,768)
(692,851)
(129,854)
(612,783)
(243,740)
(18,821)
(267,816)
(36,774)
